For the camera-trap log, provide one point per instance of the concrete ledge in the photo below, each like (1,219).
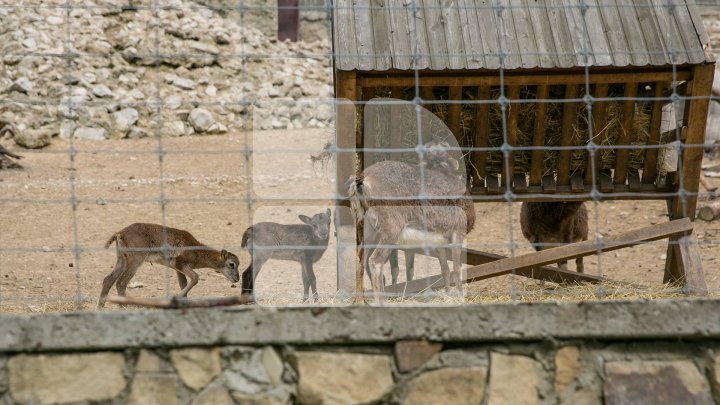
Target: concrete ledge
(613,320)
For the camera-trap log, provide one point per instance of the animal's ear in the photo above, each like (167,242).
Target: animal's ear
(223,254)
(305,219)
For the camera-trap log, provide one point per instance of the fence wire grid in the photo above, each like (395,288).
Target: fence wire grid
(193,115)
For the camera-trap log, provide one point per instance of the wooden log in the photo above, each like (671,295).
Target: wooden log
(181,302)
(710,211)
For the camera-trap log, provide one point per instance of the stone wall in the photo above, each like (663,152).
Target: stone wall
(568,353)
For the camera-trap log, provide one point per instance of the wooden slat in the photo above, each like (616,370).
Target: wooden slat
(475,257)
(548,184)
(579,39)
(492,184)
(418,36)
(654,43)
(606,183)
(380,30)
(634,180)
(401,39)
(545,42)
(596,34)
(562,36)
(615,34)
(692,153)
(508,40)
(513,94)
(454,110)
(575,250)
(458,79)
(524,34)
(576,183)
(364,35)
(599,118)
(698,22)
(395,124)
(651,154)
(482,132)
(537,156)
(520,183)
(474,51)
(487,21)
(633,34)
(569,118)
(345,48)
(453,35)
(684,264)
(625,135)
(437,45)
(668,30)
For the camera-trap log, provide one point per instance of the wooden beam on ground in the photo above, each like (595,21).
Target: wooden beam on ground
(476,257)
(181,302)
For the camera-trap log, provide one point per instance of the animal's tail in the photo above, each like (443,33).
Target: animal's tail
(247,237)
(358,202)
(112,239)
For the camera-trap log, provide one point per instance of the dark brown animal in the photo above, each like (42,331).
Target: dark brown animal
(174,248)
(549,224)
(386,202)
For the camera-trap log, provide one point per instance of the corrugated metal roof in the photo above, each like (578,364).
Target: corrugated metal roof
(482,34)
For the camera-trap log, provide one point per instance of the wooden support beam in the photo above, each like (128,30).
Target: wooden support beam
(599,118)
(569,118)
(685,264)
(651,154)
(482,134)
(537,156)
(513,110)
(476,257)
(626,131)
(345,135)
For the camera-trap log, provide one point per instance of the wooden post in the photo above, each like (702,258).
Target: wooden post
(288,19)
(628,118)
(569,118)
(455,110)
(599,118)
(482,134)
(512,133)
(536,161)
(710,211)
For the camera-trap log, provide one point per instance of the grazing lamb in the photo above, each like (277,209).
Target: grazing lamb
(302,243)
(139,243)
(545,224)
(404,219)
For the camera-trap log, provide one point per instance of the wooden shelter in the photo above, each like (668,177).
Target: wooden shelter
(578,64)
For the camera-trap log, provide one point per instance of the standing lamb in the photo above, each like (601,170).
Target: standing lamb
(175,248)
(406,219)
(545,224)
(303,243)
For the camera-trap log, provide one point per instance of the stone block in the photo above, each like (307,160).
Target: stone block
(273,365)
(411,354)
(148,362)
(514,379)
(213,396)
(196,367)
(153,389)
(655,382)
(567,366)
(457,386)
(342,378)
(52,379)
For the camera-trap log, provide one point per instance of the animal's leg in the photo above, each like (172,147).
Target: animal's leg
(444,268)
(250,274)
(377,259)
(579,265)
(182,280)
(311,277)
(456,252)
(130,269)
(110,280)
(305,279)
(394,266)
(189,273)
(409,265)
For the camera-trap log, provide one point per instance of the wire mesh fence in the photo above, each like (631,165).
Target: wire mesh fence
(429,124)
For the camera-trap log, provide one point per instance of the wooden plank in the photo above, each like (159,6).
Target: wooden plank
(575,250)
(482,132)
(569,118)
(562,37)
(381,34)
(475,257)
(548,184)
(634,180)
(595,28)
(453,34)
(617,42)
(524,34)
(345,48)
(508,40)
(454,110)
(576,183)
(574,77)
(672,38)
(520,183)
(583,50)
(418,35)
(692,153)
(538,155)
(437,44)
(697,22)
(492,184)
(474,51)
(364,36)
(633,33)
(346,93)
(689,256)
(544,40)
(606,183)
(651,154)
(402,49)
(654,43)
(626,130)
(513,94)
(690,40)
(598,124)
(487,21)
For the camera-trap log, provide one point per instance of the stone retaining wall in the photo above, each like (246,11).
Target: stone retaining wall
(569,353)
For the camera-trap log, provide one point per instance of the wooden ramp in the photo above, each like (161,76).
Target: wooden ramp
(532,265)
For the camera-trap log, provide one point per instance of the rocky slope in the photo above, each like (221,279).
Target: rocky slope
(104,70)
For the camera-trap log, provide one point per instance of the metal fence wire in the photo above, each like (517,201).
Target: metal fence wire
(470,151)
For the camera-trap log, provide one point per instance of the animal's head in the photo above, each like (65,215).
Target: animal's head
(438,156)
(230,269)
(320,223)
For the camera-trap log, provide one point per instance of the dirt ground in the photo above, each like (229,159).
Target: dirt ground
(52,256)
